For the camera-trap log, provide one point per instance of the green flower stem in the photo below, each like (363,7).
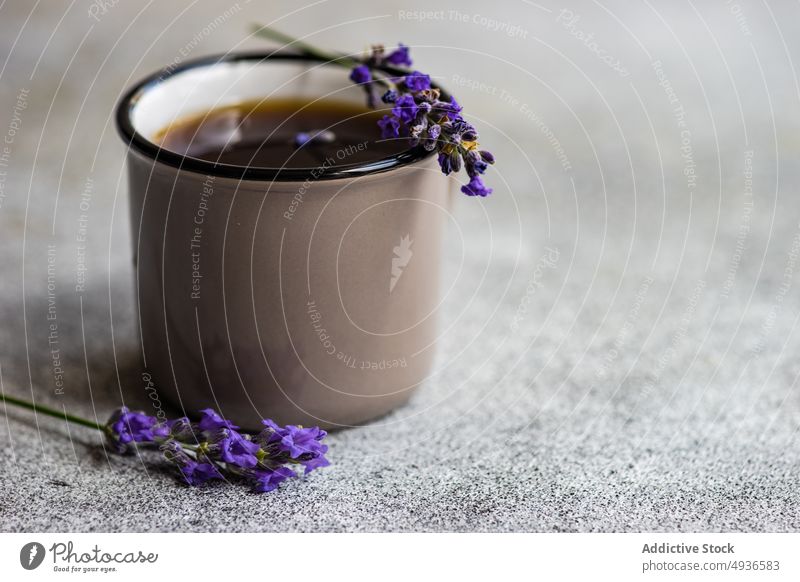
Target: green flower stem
(310,50)
(50,412)
(305,48)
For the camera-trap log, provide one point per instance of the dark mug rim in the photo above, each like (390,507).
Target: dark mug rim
(149,149)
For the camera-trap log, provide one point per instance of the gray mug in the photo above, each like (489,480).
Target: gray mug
(306,296)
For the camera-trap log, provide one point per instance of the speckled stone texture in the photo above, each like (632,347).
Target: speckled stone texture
(619,342)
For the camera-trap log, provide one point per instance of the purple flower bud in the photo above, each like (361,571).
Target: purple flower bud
(444,164)
(474,163)
(194,472)
(450,133)
(417,81)
(464,129)
(314,462)
(390,96)
(125,427)
(215,437)
(430,142)
(198,473)
(269,479)
(272,426)
(405,108)
(160,431)
(417,130)
(296,440)
(300,444)
(361,74)
(174,453)
(390,127)
(488,157)
(476,187)
(399,56)
(237,450)
(449,162)
(210,421)
(458,130)
(469,135)
(477,168)
(181,429)
(423,109)
(447,109)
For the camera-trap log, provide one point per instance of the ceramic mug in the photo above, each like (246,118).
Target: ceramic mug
(305,295)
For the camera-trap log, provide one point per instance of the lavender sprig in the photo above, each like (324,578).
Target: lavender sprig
(418,113)
(211,448)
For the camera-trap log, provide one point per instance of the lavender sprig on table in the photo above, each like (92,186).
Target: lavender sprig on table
(213,447)
(418,113)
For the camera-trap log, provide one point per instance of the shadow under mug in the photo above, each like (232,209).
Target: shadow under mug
(309,297)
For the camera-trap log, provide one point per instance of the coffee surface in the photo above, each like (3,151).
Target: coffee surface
(282,133)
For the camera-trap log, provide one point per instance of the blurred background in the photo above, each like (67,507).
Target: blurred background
(619,344)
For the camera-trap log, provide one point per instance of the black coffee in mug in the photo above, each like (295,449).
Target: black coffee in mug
(282,133)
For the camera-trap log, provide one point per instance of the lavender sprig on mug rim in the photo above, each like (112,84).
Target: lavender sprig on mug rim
(211,448)
(418,112)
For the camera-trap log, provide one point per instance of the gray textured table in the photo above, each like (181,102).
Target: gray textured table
(639,375)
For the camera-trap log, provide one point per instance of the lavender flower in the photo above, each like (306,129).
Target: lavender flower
(235,449)
(212,448)
(449,162)
(361,74)
(296,440)
(195,474)
(405,109)
(419,115)
(399,56)
(476,187)
(475,163)
(210,421)
(429,141)
(269,479)
(126,427)
(313,463)
(452,108)
(181,429)
(417,81)
(390,127)
(301,445)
